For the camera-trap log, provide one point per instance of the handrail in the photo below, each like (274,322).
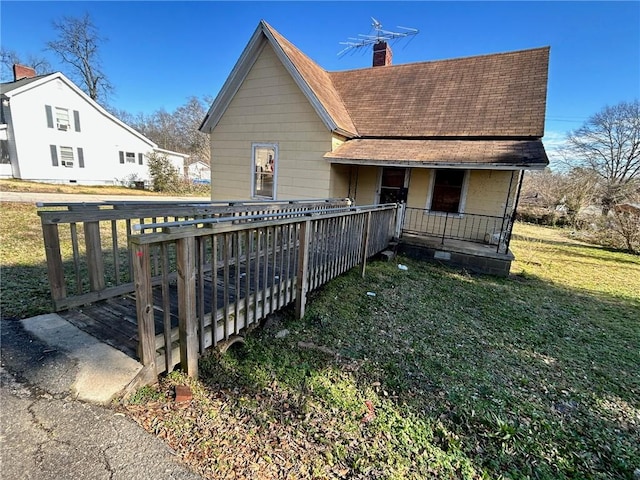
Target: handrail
(86,243)
(260,266)
(470,227)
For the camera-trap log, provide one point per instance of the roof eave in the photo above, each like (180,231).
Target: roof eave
(231,86)
(250,54)
(317,105)
(436,165)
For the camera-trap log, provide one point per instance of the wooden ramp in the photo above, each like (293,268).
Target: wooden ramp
(185,283)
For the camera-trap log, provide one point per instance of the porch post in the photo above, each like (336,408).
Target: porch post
(144,306)
(187,320)
(513,212)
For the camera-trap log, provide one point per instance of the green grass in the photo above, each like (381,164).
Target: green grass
(441,374)
(14,185)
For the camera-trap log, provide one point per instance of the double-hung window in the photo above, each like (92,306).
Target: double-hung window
(66,157)
(62,119)
(448,191)
(264,170)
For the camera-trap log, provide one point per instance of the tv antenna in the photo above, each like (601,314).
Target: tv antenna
(380,35)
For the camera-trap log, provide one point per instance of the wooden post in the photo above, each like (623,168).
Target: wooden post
(54,263)
(187,319)
(95,263)
(144,305)
(365,244)
(303,267)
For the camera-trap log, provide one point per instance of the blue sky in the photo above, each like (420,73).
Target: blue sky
(158,54)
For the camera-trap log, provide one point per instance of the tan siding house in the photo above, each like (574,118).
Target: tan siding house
(448,139)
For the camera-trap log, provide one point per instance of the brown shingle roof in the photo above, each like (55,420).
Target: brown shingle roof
(319,80)
(461,153)
(497,95)
(492,95)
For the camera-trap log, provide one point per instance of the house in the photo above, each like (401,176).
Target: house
(449,139)
(199,171)
(51,131)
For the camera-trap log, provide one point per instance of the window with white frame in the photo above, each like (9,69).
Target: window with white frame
(62,119)
(130,157)
(66,157)
(448,191)
(264,166)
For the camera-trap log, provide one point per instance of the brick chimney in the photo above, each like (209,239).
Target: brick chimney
(381,54)
(20,72)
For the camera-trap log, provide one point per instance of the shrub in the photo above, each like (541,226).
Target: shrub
(164,176)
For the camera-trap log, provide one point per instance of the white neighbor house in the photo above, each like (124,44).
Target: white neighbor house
(51,131)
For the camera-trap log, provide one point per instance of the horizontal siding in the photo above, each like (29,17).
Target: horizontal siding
(270,108)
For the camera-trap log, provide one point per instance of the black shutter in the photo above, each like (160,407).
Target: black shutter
(76,119)
(121,157)
(80,157)
(49,116)
(140,159)
(54,155)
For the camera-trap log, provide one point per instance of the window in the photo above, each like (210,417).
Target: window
(62,119)
(66,157)
(127,157)
(265,161)
(448,191)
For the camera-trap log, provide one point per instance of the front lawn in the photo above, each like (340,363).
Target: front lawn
(440,374)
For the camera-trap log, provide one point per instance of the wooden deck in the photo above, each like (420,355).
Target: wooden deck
(165,288)
(113,321)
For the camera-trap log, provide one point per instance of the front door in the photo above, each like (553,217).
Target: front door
(393,185)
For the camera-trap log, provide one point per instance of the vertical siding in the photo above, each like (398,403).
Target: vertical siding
(270,108)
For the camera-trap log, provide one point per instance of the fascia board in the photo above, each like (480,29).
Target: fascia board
(434,165)
(84,96)
(234,80)
(301,82)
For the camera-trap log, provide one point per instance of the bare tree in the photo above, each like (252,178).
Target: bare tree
(78,45)
(9,58)
(176,131)
(609,145)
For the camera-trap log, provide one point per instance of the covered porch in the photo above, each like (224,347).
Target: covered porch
(458,197)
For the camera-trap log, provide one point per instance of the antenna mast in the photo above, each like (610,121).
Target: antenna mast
(381,35)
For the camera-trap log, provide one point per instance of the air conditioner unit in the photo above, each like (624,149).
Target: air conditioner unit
(63,126)
(67,163)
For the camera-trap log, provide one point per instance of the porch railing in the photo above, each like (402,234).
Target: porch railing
(88,257)
(469,227)
(229,273)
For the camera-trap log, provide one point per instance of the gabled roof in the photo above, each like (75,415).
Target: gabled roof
(11,86)
(501,95)
(313,81)
(12,89)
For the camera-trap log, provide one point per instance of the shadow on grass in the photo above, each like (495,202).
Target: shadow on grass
(516,378)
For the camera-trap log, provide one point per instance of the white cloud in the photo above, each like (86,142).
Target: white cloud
(554,142)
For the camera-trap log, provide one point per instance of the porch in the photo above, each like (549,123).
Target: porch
(479,243)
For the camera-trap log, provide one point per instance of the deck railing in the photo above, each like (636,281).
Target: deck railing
(86,247)
(229,273)
(469,227)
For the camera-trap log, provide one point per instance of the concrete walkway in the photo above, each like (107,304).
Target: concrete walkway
(48,432)
(30,197)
